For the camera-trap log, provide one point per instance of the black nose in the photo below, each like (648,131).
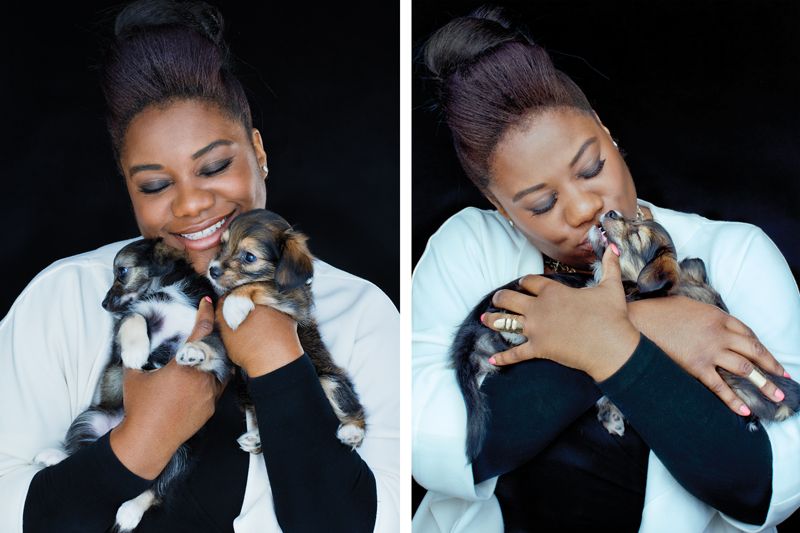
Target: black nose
(613,215)
(215,272)
(105,302)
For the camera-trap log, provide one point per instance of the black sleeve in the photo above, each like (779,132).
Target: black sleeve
(530,403)
(318,483)
(82,493)
(706,447)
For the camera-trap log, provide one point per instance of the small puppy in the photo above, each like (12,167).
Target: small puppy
(264,261)
(154,300)
(650,268)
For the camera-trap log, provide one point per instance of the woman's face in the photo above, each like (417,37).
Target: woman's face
(190,170)
(554,176)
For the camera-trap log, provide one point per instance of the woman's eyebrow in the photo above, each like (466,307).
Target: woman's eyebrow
(210,147)
(582,149)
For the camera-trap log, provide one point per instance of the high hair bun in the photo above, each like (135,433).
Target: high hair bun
(141,16)
(464,39)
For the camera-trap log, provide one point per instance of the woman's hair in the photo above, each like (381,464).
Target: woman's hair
(164,51)
(491,76)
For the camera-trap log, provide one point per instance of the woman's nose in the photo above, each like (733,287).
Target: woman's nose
(191,201)
(582,206)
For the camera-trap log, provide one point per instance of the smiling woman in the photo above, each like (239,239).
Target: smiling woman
(192,162)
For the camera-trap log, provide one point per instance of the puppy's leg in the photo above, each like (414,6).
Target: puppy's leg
(610,416)
(251,440)
(130,513)
(236,307)
(133,341)
(208,355)
(347,408)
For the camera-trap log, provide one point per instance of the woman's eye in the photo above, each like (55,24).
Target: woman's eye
(216,168)
(545,207)
(594,171)
(248,257)
(154,187)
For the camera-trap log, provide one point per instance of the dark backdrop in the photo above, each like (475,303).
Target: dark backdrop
(324,90)
(702,95)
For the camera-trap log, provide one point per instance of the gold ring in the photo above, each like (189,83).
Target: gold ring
(509,325)
(757,378)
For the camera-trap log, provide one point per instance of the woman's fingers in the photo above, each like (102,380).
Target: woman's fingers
(717,385)
(504,322)
(746,343)
(514,355)
(204,322)
(736,364)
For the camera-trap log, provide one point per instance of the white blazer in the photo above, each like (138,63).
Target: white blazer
(56,339)
(475,251)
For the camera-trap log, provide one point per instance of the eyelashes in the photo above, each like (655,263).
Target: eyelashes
(157,186)
(586,174)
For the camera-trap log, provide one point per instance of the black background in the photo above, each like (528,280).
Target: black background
(324,91)
(702,95)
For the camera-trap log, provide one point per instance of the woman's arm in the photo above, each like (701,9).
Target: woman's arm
(317,482)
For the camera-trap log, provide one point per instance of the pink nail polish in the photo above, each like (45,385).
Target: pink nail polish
(483,315)
(207,298)
(779,395)
(492,360)
(744,410)
(786,375)
(614,249)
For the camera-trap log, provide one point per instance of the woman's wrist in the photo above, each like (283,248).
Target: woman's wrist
(144,455)
(615,352)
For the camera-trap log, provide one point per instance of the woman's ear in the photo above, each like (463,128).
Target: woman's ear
(500,209)
(597,118)
(258,146)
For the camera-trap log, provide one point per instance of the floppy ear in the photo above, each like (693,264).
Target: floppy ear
(295,266)
(658,276)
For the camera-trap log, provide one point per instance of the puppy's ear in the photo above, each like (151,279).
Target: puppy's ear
(695,270)
(295,266)
(658,276)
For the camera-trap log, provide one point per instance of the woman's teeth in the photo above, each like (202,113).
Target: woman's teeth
(204,233)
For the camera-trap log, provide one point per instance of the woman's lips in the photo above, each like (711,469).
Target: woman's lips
(206,237)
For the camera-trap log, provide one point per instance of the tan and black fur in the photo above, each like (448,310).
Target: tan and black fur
(649,268)
(263,261)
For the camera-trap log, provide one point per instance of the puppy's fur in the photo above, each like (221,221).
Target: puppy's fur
(649,269)
(263,261)
(154,300)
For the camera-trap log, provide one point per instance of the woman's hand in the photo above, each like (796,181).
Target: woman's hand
(265,341)
(587,329)
(164,408)
(700,337)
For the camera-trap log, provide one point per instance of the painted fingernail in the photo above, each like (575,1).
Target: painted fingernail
(786,375)
(614,249)
(207,298)
(483,315)
(744,410)
(779,395)
(492,360)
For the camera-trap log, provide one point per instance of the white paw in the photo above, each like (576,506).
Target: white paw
(351,435)
(235,310)
(129,515)
(615,427)
(190,354)
(134,342)
(250,441)
(50,457)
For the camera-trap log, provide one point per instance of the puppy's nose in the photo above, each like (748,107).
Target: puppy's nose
(215,272)
(613,215)
(105,302)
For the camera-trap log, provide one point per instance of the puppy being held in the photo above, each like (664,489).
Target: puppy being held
(154,301)
(263,261)
(649,268)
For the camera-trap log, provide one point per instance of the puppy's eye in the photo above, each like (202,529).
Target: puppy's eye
(121,272)
(247,257)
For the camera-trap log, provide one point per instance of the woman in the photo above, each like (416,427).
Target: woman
(182,135)
(528,138)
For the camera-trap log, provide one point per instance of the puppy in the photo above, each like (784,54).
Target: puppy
(649,268)
(153,300)
(264,261)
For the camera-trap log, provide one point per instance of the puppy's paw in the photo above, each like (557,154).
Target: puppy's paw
(610,416)
(235,310)
(250,441)
(129,515)
(191,354)
(351,435)
(133,342)
(50,457)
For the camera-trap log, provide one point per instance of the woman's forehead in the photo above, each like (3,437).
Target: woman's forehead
(545,145)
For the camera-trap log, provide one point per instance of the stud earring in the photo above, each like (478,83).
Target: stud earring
(510,222)
(266,171)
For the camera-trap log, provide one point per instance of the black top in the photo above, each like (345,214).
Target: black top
(559,468)
(318,483)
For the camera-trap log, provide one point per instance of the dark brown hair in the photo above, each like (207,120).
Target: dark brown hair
(491,76)
(165,51)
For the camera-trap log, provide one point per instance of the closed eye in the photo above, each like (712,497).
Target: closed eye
(594,171)
(216,167)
